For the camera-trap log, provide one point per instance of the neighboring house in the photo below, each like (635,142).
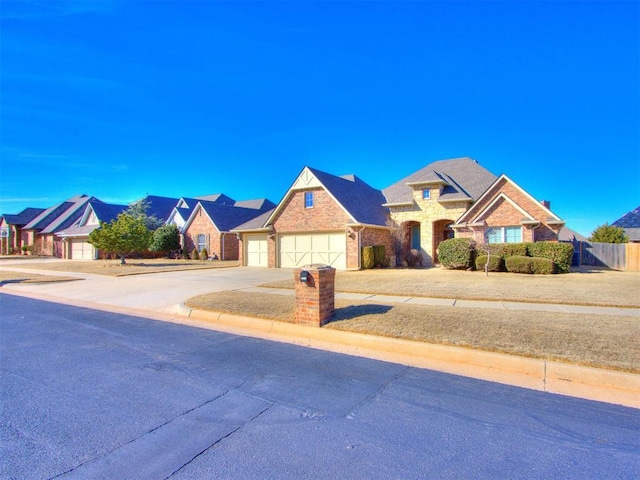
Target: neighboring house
(183,209)
(568,235)
(75,239)
(506,213)
(210,223)
(11,226)
(630,222)
(159,207)
(321,219)
(40,232)
(427,203)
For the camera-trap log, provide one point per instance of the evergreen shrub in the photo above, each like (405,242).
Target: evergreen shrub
(457,253)
(379,255)
(542,266)
(496,263)
(368,260)
(559,253)
(518,264)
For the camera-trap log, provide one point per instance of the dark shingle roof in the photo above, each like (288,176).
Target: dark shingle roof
(256,223)
(107,211)
(59,216)
(629,220)
(362,201)
(216,198)
(261,204)
(464,178)
(22,218)
(227,217)
(160,207)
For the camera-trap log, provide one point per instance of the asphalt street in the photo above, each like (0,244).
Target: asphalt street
(93,394)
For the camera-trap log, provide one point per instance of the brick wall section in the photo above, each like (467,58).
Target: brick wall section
(315,300)
(202,224)
(378,236)
(504,214)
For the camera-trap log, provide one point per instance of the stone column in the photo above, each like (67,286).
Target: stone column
(315,298)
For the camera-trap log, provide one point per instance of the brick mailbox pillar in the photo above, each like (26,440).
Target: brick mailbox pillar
(315,297)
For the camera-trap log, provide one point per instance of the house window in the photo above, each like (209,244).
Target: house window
(308,199)
(504,235)
(201,241)
(426,194)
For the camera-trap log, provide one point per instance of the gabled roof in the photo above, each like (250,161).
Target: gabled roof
(261,204)
(463,179)
(629,220)
(22,218)
(105,212)
(477,211)
(361,202)
(59,216)
(160,207)
(224,217)
(191,202)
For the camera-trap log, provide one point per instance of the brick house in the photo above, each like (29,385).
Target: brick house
(75,239)
(40,233)
(210,223)
(507,213)
(322,219)
(11,225)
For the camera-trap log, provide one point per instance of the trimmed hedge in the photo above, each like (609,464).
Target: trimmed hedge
(560,254)
(496,263)
(379,255)
(368,259)
(542,266)
(457,253)
(518,264)
(514,249)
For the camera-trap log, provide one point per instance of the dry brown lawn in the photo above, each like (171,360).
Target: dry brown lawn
(584,286)
(132,267)
(16,277)
(593,340)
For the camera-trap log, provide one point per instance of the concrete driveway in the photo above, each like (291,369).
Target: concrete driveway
(159,292)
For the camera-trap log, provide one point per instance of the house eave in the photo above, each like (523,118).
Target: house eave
(427,182)
(398,204)
(455,200)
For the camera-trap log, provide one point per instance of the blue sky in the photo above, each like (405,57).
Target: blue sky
(119,99)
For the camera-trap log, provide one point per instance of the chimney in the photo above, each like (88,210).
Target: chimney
(546,204)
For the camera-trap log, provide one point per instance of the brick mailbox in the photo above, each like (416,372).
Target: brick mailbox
(315,294)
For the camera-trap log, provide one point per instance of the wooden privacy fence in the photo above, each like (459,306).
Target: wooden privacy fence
(618,256)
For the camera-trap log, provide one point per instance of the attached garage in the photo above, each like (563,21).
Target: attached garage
(256,250)
(329,248)
(82,250)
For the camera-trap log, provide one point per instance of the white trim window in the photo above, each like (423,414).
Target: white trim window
(503,235)
(201,242)
(426,194)
(308,199)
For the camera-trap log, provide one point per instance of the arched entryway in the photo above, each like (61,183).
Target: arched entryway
(441,231)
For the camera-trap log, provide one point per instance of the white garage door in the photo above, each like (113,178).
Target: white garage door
(81,250)
(256,250)
(305,248)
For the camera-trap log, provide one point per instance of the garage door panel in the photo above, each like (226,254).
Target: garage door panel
(81,250)
(302,249)
(257,255)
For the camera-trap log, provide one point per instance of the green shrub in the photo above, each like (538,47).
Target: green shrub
(379,255)
(496,263)
(368,260)
(185,254)
(457,253)
(542,266)
(518,264)
(194,254)
(514,249)
(559,253)
(204,255)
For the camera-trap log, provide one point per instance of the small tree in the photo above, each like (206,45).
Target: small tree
(165,239)
(122,237)
(139,210)
(608,234)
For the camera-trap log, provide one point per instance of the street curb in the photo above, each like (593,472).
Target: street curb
(602,385)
